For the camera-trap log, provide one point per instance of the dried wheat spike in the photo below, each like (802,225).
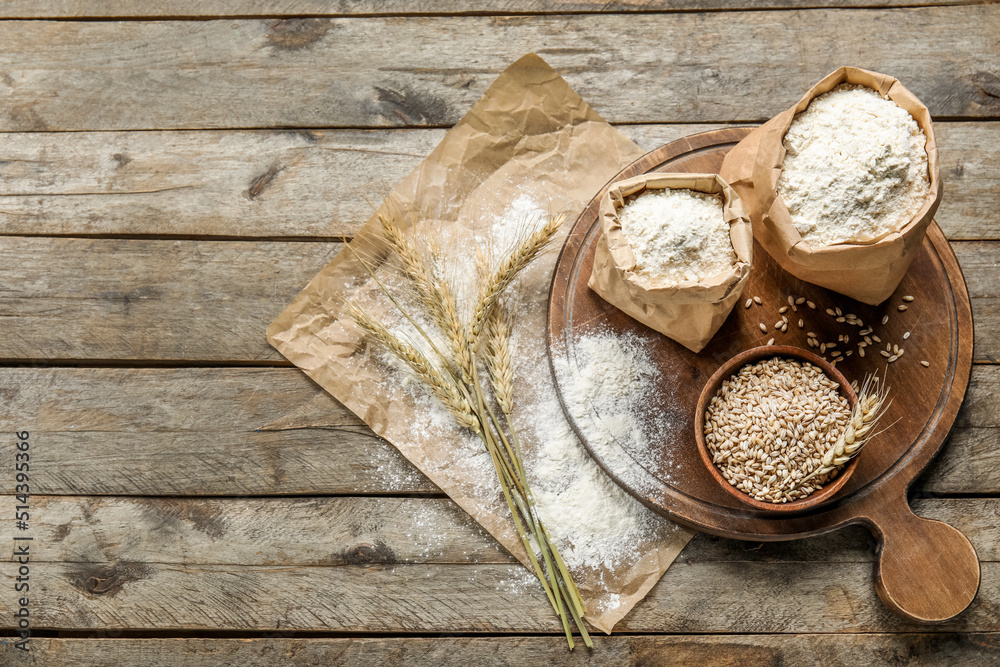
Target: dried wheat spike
(442,386)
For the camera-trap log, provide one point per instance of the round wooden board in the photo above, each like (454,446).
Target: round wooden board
(926,400)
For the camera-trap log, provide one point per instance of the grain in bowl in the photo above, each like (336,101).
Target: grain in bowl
(771,423)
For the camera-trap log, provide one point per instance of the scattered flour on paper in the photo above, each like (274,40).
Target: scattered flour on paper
(595,524)
(677,235)
(855,168)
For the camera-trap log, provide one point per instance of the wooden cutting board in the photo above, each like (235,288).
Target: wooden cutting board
(926,570)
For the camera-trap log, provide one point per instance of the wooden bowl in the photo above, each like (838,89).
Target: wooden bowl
(730,368)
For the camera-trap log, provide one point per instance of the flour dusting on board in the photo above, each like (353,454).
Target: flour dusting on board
(596,523)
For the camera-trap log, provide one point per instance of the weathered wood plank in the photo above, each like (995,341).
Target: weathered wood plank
(114,299)
(283,184)
(362,531)
(121,299)
(27,9)
(193,432)
(94,75)
(724,597)
(903,649)
(223,183)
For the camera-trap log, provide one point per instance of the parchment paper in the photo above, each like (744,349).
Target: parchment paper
(688,312)
(868,272)
(531,136)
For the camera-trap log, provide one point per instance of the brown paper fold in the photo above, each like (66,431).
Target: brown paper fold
(868,272)
(531,136)
(688,312)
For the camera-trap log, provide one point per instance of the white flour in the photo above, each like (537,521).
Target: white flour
(855,168)
(595,524)
(677,235)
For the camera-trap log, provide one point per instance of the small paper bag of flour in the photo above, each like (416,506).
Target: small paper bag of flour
(688,312)
(868,272)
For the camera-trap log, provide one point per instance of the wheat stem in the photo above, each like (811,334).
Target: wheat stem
(459,388)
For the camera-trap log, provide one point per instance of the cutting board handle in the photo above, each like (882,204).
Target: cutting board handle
(926,570)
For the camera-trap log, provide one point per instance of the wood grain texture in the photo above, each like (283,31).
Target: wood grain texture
(116,299)
(322,73)
(221,183)
(725,650)
(192,432)
(285,184)
(124,299)
(297,8)
(362,531)
(737,597)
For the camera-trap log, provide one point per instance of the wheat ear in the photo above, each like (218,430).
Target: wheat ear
(453,327)
(499,362)
(432,292)
(498,280)
(868,410)
(442,386)
(414,268)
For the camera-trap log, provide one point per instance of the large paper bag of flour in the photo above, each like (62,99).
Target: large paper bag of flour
(868,272)
(688,312)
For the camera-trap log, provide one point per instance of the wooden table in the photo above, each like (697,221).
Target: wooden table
(172,174)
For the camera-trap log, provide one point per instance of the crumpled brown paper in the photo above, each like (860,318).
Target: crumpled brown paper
(530,134)
(688,312)
(867,272)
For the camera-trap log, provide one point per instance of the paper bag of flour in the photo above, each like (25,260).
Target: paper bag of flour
(688,312)
(868,272)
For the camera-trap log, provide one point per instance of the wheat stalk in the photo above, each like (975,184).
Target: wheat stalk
(462,392)
(433,293)
(420,274)
(868,410)
(455,331)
